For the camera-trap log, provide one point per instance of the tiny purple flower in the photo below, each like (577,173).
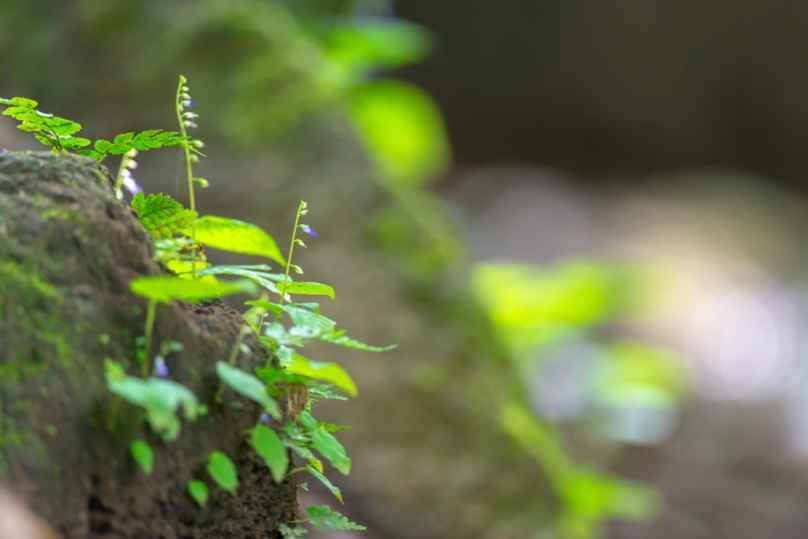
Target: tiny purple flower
(191,124)
(160,367)
(130,183)
(308,230)
(266,419)
(188,103)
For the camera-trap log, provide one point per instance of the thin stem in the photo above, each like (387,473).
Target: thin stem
(289,261)
(185,148)
(113,414)
(119,176)
(233,356)
(144,368)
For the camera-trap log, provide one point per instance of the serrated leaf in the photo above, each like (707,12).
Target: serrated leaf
(123,137)
(311,289)
(143,455)
(165,289)
(325,481)
(322,516)
(223,472)
(98,156)
(198,491)
(102,145)
(248,385)
(74,142)
(327,372)
(269,447)
(63,127)
(161,215)
(339,338)
(235,236)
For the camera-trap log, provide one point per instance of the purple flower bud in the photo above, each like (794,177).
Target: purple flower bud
(266,419)
(160,367)
(308,230)
(189,103)
(190,124)
(130,183)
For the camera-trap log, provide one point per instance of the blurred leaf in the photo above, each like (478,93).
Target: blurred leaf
(362,45)
(598,496)
(223,471)
(160,398)
(403,129)
(143,455)
(248,385)
(330,448)
(164,289)
(325,481)
(198,491)
(322,516)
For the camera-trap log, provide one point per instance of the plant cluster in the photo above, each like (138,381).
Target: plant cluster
(280,323)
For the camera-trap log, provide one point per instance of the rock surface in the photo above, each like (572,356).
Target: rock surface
(68,250)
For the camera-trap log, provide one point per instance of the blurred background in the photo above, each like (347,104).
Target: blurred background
(581,222)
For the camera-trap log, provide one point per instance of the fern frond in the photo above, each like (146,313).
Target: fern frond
(162,215)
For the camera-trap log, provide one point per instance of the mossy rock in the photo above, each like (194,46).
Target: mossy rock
(68,250)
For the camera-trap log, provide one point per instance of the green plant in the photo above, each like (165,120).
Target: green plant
(284,325)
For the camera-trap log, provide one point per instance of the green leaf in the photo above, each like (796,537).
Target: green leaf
(235,236)
(248,385)
(198,491)
(143,455)
(388,43)
(593,495)
(325,481)
(161,215)
(269,447)
(223,471)
(259,273)
(308,324)
(20,101)
(74,142)
(330,448)
(403,129)
(164,289)
(160,398)
(63,127)
(311,289)
(322,516)
(339,338)
(292,533)
(327,372)
(102,145)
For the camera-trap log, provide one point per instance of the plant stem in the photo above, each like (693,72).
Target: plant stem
(185,148)
(233,356)
(289,261)
(144,368)
(119,176)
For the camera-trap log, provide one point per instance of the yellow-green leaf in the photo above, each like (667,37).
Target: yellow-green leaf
(164,289)
(327,372)
(234,236)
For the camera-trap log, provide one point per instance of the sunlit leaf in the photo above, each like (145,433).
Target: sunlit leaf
(403,129)
(164,289)
(593,495)
(327,372)
(311,289)
(339,338)
(235,236)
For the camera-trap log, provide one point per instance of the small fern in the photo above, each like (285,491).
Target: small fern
(162,215)
(144,141)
